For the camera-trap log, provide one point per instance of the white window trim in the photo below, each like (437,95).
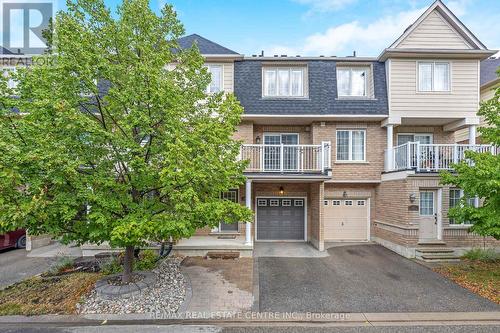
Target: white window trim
(280,134)
(305,88)
(346,201)
(415,134)
(350,68)
(350,160)
(457,225)
(221,77)
(433,62)
(433,204)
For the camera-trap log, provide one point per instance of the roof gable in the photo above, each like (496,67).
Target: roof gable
(206,47)
(438,28)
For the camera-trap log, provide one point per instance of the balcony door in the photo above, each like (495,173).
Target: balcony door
(272,151)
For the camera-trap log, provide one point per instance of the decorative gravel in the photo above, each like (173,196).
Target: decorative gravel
(164,297)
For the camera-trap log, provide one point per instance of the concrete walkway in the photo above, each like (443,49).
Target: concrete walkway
(287,250)
(56,250)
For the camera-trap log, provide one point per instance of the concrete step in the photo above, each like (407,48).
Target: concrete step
(435,258)
(434,250)
(222,255)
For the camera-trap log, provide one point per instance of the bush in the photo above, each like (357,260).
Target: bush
(487,255)
(147,261)
(62,264)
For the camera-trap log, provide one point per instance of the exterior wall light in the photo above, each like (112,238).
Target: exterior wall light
(344,194)
(257,140)
(282,190)
(413,197)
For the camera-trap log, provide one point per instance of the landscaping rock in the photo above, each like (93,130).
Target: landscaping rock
(163,297)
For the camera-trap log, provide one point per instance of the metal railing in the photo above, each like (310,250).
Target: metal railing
(287,158)
(430,157)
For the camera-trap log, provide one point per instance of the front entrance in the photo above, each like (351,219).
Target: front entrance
(428,219)
(280,219)
(346,219)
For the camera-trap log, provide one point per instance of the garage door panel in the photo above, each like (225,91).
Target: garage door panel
(283,220)
(346,222)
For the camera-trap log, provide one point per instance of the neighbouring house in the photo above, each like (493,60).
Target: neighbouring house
(348,149)
(490,82)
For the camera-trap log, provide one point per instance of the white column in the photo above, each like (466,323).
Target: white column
(472,134)
(248,202)
(390,159)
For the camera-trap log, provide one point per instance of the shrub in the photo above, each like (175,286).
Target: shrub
(62,264)
(147,261)
(487,255)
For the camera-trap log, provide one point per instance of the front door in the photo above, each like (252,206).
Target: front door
(428,219)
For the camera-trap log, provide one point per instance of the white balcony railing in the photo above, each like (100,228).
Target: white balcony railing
(430,157)
(287,158)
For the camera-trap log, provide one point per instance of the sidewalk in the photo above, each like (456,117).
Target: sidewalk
(330,319)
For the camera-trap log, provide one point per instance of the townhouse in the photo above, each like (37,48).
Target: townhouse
(348,149)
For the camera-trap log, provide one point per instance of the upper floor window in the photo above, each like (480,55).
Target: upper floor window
(352,81)
(351,145)
(434,76)
(7,73)
(283,82)
(215,85)
(422,138)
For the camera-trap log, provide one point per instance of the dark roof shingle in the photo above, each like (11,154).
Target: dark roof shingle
(489,68)
(322,99)
(204,45)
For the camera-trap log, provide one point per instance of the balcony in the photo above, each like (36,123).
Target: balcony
(430,157)
(287,158)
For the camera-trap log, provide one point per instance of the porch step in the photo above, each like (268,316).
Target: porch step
(432,254)
(432,243)
(223,255)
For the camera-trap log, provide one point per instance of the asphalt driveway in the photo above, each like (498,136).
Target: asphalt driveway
(15,266)
(359,278)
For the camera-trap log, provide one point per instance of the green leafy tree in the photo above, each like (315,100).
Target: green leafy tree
(112,137)
(481,178)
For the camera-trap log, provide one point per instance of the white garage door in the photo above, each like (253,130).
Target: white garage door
(346,220)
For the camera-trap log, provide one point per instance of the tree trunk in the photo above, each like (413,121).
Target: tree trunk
(128,262)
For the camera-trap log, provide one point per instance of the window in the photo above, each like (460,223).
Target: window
(283,82)
(286,203)
(231,195)
(274,202)
(7,73)
(433,76)
(348,202)
(423,138)
(298,203)
(361,202)
(215,85)
(455,196)
(325,202)
(352,81)
(262,202)
(351,145)
(426,203)
(335,202)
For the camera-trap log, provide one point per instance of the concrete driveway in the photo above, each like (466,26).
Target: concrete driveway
(359,278)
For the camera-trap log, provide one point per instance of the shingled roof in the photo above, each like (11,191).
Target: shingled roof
(204,45)
(489,69)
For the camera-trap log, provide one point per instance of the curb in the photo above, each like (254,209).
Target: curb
(439,318)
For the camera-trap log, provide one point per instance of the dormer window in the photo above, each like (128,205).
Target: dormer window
(352,81)
(433,76)
(283,81)
(215,85)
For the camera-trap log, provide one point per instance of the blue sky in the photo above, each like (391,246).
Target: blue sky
(319,27)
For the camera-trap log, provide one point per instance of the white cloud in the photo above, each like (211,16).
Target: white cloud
(325,5)
(341,40)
